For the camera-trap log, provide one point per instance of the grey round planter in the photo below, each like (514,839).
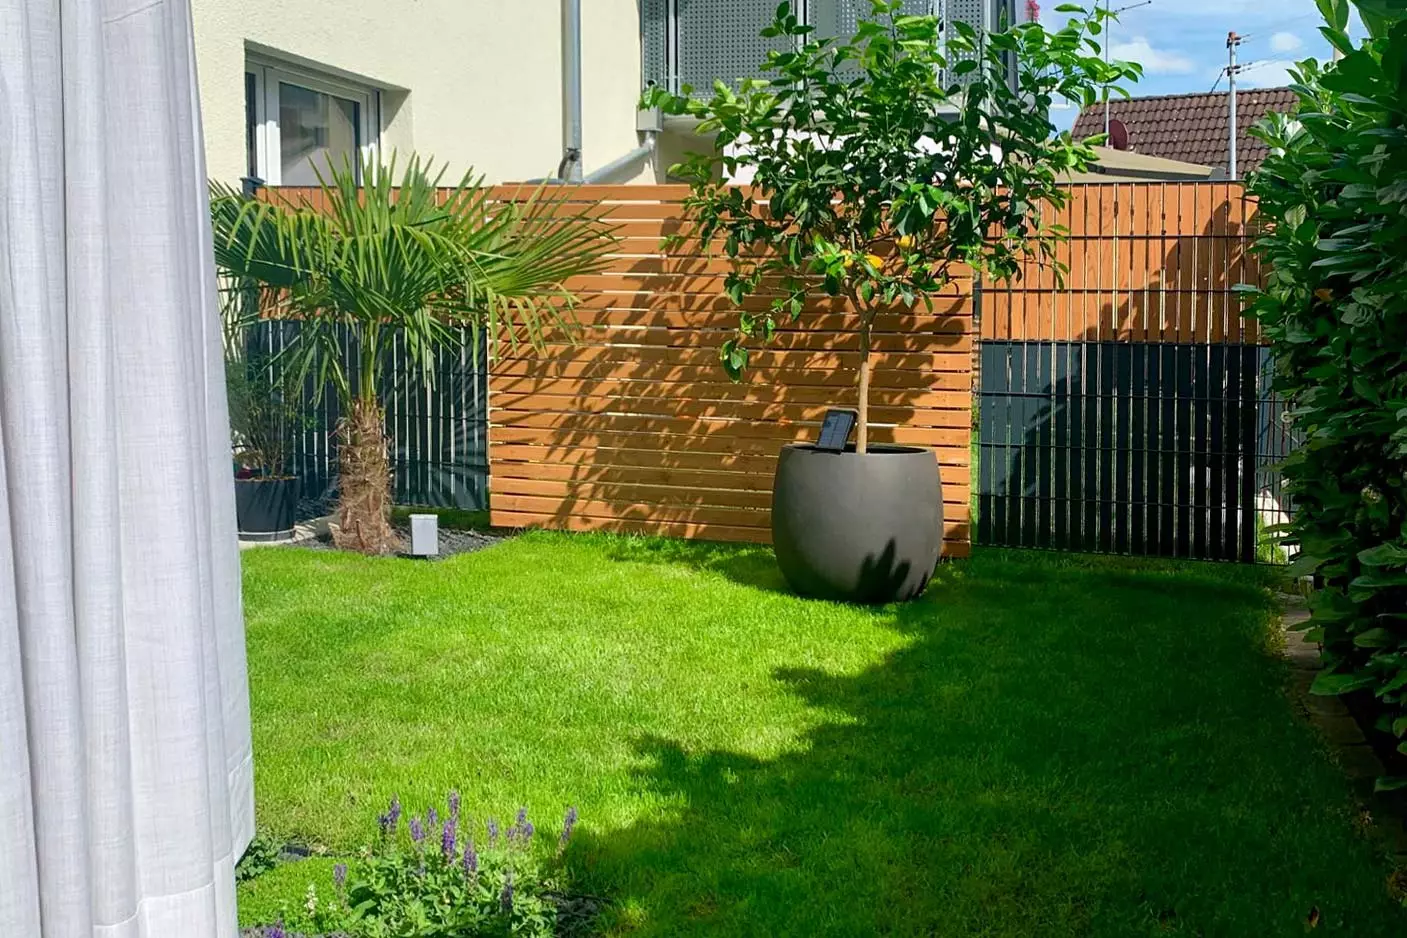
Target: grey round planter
(857,528)
(266,509)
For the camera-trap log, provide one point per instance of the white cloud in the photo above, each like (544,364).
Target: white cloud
(1154,61)
(1271,73)
(1286,42)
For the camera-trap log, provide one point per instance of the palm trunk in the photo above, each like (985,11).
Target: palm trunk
(364,478)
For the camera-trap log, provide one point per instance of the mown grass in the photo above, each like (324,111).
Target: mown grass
(1044,745)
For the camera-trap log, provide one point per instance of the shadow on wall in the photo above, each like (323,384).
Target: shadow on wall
(640,423)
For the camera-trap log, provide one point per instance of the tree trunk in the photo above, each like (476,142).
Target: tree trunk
(364,479)
(862,437)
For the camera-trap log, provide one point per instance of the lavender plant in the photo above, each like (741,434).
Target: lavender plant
(430,878)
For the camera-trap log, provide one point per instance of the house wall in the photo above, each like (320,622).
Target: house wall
(477,83)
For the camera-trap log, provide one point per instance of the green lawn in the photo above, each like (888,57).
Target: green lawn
(1042,746)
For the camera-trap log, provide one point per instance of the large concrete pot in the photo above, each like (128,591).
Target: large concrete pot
(866,529)
(265,509)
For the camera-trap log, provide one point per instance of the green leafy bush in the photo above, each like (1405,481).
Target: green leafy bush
(888,163)
(437,876)
(1334,194)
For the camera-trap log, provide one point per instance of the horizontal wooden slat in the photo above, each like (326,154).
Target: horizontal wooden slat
(943,335)
(949,304)
(511,373)
(950,353)
(596,407)
(524,463)
(947,393)
(763,442)
(595,508)
(637,451)
(666,495)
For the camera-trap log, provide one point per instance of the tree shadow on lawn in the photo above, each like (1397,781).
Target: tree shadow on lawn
(1063,749)
(746,565)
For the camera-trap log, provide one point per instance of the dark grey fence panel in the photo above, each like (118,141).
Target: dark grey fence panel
(1130,448)
(437,430)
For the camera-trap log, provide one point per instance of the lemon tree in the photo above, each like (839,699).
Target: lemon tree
(887,163)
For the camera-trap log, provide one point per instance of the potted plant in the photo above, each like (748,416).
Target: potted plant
(882,165)
(393,260)
(265,411)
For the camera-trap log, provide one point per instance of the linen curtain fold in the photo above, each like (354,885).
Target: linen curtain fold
(125,760)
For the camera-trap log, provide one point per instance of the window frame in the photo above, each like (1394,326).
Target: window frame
(267,74)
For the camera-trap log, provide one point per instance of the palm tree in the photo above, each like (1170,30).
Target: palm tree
(359,266)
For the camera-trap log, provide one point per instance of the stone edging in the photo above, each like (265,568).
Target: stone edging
(1340,730)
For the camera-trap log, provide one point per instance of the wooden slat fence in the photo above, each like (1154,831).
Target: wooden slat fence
(1126,410)
(635,426)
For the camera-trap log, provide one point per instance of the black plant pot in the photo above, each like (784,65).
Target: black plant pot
(265,508)
(858,528)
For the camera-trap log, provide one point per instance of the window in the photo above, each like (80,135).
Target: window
(694,42)
(296,122)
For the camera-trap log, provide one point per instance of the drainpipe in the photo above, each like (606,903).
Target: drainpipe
(641,152)
(569,170)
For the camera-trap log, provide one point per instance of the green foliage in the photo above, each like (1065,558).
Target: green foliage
(261,856)
(883,161)
(266,411)
(1335,310)
(991,759)
(429,878)
(395,259)
(394,263)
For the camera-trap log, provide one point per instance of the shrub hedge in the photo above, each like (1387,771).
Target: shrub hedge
(1334,197)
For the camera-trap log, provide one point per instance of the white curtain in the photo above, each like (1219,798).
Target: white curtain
(125,772)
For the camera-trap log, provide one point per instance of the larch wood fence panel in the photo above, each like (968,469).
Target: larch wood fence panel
(633,425)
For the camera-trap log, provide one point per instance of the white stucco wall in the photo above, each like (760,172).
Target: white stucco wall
(482,79)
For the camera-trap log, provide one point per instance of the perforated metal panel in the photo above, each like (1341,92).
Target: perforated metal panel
(654,41)
(721,41)
(841,17)
(975,13)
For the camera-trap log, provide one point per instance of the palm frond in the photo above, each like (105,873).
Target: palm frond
(400,254)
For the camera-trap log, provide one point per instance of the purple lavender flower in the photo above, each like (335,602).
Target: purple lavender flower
(507,898)
(275,931)
(384,822)
(493,832)
(447,838)
(471,859)
(454,806)
(393,816)
(339,876)
(417,830)
(568,826)
(522,829)
(432,818)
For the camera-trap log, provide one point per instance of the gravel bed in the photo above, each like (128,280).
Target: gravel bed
(452,542)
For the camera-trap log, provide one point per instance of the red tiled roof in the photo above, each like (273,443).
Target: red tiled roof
(1192,127)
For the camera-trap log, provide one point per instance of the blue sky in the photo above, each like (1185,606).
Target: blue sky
(1182,43)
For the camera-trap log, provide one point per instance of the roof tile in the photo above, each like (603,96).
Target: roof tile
(1193,127)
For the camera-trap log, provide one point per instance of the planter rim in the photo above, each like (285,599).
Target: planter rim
(875,449)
